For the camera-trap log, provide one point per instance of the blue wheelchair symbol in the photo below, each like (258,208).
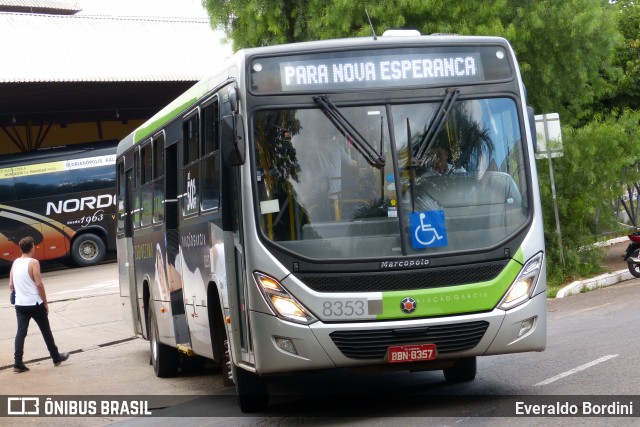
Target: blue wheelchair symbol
(428,229)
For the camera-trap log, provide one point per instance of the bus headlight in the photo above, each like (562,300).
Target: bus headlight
(281,301)
(521,289)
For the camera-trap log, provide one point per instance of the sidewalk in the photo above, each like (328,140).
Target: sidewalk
(617,270)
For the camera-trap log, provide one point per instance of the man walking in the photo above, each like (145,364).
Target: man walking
(31,303)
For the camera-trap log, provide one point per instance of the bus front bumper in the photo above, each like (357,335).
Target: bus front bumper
(315,348)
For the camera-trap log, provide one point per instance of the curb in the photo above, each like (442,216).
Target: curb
(601,281)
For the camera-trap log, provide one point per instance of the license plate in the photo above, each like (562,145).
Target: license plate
(412,353)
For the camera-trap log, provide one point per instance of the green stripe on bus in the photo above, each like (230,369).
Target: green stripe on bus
(172,110)
(146,129)
(471,298)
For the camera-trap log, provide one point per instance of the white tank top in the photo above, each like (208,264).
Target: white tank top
(26,289)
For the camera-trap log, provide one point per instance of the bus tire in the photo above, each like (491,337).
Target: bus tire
(87,249)
(462,371)
(165,359)
(252,390)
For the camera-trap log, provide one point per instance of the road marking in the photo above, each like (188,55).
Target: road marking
(578,369)
(106,286)
(581,311)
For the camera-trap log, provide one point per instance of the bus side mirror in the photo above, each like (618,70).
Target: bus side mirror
(532,126)
(233,151)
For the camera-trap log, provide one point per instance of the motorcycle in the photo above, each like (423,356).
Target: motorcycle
(632,255)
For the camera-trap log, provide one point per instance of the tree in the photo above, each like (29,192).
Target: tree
(627,58)
(565,48)
(600,159)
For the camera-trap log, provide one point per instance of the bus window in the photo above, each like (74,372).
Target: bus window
(98,178)
(211,182)
(158,156)
(7,189)
(136,198)
(145,164)
(146,194)
(191,140)
(190,204)
(146,189)
(121,192)
(210,128)
(158,177)
(211,158)
(41,185)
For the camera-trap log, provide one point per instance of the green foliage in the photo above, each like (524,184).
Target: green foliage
(565,48)
(599,159)
(627,58)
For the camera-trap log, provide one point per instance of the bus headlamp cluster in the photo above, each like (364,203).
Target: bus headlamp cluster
(521,289)
(282,302)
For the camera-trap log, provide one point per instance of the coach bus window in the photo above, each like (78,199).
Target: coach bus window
(211,158)
(43,184)
(158,182)
(7,189)
(191,171)
(97,178)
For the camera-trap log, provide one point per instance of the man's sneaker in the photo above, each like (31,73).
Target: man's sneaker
(61,358)
(20,368)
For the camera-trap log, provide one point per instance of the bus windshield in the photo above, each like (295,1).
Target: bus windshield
(452,186)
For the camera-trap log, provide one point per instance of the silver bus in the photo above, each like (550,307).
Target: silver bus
(358,203)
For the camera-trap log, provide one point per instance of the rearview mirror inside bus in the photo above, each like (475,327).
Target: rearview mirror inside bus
(233,140)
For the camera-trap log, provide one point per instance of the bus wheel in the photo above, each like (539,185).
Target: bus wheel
(252,391)
(87,249)
(463,370)
(164,359)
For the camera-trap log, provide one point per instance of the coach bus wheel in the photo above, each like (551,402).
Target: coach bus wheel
(87,249)
(463,370)
(163,358)
(252,391)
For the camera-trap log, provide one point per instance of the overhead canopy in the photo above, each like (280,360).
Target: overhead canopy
(40,6)
(77,68)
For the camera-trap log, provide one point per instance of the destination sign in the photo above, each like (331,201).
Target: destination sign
(380,70)
(403,67)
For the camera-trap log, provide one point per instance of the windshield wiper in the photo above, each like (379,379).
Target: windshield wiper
(435,127)
(339,121)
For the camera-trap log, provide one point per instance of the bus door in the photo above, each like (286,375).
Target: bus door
(174,273)
(126,270)
(236,275)
(240,339)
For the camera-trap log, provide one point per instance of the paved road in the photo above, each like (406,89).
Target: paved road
(595,326)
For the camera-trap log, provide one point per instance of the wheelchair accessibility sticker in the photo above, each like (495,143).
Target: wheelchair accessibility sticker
(428,229)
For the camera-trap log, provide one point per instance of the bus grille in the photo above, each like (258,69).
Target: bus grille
(373,344)
(400,281)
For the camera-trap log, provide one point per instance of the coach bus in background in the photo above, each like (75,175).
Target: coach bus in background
(64,197)
(357,203)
